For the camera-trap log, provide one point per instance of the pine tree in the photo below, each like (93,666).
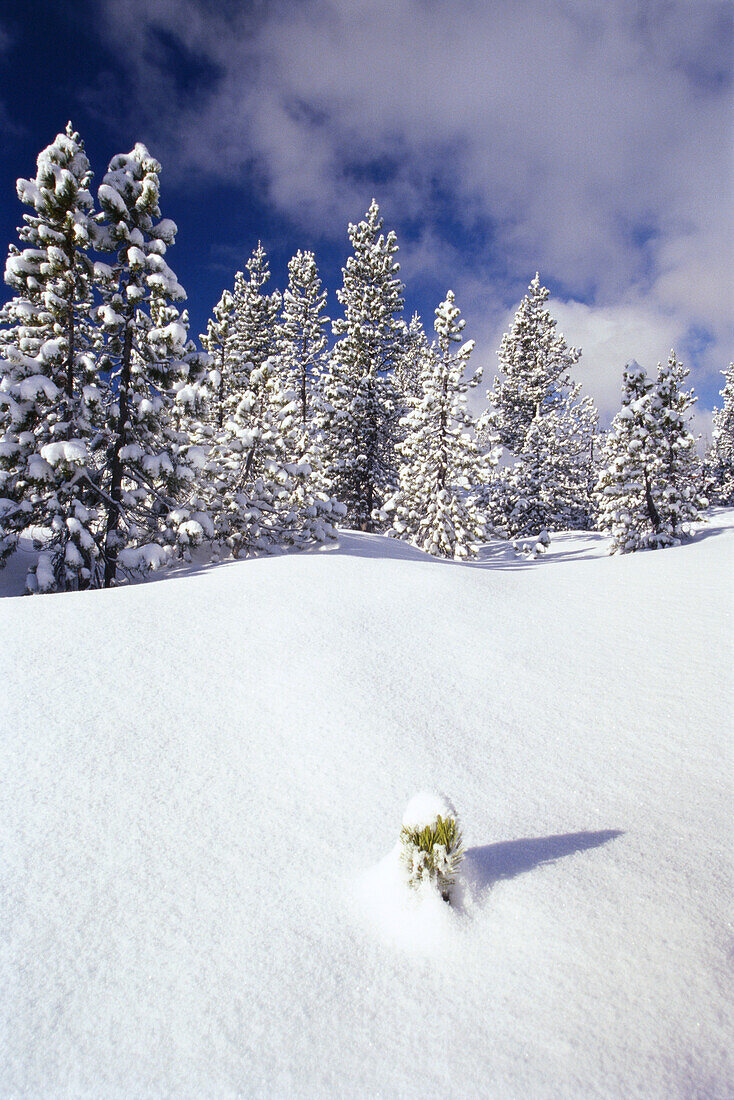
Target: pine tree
(646,492)
(535,361)
(217,342)
(409,367)
(259,489)
(50,390)
(626,507)
(434,506)
(255,322)
(537,413)
(680,474)
(302,339)
(550,486)
(720,460)
(151,361)
(361,405)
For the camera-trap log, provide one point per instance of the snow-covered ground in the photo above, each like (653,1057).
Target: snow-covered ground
(203,780)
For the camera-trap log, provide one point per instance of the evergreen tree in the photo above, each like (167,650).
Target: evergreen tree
(538,414)
(680,474)
(550,486)
(150,360)
(302,339)
(361,406)
(409,367)
(535,361)
(626,507)
(217,341)
(645,495)
(259,489)
(720,459)
(255,323)
(434,507)
(49,387)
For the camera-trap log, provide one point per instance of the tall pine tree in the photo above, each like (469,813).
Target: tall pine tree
(50,391)
(646,494)
(150,361)
(720,459)
(217,342)
(302,337)
(537,413)
(361,405)
(435,506)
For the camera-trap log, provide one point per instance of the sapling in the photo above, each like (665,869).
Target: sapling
(431,844)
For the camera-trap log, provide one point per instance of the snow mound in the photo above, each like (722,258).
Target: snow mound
(424,808)
(201,777)
(417,922)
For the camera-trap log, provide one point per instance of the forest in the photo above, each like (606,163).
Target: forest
(123,444)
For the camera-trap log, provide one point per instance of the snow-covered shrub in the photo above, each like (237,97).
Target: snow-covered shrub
(532,547)
(431,843)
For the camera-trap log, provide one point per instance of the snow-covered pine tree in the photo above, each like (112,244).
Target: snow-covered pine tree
(50,391)
(535,361)
(217,342)
(150,360)
(626,508)
(358,424)
(550,486)
(302,339)
(646,493)
(435,506)
(257,485)
(255,324)
(720,459)
(409,366)
(680,474)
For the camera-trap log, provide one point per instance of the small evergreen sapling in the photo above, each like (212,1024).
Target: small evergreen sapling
(431,844)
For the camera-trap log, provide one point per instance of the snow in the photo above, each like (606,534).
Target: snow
(424,808)
(30,388)
(72,451)
(110,198)
(202,788)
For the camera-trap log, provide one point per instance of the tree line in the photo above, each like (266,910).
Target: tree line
(123,444)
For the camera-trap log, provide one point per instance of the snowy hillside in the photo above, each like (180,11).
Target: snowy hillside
(202,779)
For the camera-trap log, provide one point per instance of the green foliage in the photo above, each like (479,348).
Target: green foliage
(433,854)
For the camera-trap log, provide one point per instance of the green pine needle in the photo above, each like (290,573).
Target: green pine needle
(433,853)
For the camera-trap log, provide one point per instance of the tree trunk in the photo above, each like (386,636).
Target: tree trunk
(303,381)
(113,508)
(220,395)
(652,511)
(70,334)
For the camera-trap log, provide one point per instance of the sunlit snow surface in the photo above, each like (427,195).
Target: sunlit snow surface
(202,786)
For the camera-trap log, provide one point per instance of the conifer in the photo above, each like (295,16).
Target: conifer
(302,339)
(151,362)
(435,506)
(50,389)
(720,459)
(358,422)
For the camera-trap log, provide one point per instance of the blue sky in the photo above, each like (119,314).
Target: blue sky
(587,139)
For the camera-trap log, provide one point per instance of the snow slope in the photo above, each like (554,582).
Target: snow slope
(203,780)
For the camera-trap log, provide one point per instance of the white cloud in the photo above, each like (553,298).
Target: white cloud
(585,139)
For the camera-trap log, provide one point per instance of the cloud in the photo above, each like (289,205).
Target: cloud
(585,139)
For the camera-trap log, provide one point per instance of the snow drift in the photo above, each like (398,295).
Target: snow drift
(203,781)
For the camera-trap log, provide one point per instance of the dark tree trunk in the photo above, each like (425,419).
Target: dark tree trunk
(303,382)
(220,395)
(651,509)
(70,336)
(113,509)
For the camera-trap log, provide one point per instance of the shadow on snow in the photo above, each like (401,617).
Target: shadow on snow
(489,863)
